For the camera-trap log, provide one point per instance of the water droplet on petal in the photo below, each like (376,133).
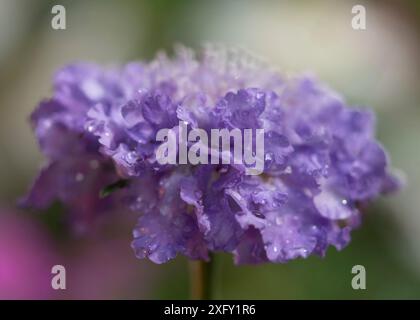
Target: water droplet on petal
(258,214)
(223,170)
(91,128)
(288,170)
(132,156)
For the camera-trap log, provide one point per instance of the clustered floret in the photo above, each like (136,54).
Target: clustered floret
(321,158)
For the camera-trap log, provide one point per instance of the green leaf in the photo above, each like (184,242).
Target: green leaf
(120,184)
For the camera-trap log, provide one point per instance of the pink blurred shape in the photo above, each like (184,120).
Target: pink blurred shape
(25,259)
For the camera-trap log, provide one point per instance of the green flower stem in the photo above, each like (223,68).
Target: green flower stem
(201,273)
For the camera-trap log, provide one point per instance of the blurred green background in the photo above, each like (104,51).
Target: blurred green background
(378,67)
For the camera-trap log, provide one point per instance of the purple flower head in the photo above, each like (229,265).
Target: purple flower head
(321,158)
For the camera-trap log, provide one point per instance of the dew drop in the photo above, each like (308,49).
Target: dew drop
(258,214)
(91,128)
(46,123)
(288,170)
(307,192)
(268,157)
(131,156)
(223,170)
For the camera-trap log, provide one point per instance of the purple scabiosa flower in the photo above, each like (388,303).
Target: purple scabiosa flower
(321,158)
